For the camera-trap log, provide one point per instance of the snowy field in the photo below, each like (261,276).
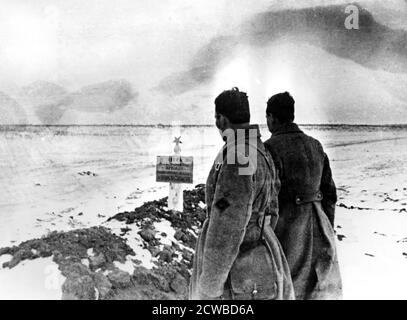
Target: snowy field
(63,178)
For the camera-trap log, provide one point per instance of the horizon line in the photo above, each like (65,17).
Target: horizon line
(193,125)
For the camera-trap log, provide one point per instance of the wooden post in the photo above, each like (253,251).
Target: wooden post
(176,190)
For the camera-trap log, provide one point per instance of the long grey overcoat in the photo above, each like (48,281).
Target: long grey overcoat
(230,262)
(306,213)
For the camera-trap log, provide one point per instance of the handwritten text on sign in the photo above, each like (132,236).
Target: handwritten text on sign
(175,168)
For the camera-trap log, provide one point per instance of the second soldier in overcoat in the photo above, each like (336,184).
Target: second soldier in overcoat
(306,204)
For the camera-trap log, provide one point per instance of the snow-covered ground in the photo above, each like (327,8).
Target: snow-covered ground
(371,177)
(61,178)
(73,177)
(37,279)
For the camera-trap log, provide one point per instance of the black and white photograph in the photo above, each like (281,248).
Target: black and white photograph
(203,150)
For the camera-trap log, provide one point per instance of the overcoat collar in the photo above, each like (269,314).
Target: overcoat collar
(290,127)
(235,139)
(245,127)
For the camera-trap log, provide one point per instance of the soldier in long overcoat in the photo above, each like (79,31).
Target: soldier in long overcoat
(307,201)
(237,254)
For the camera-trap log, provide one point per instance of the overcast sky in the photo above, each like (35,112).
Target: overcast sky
(75,42)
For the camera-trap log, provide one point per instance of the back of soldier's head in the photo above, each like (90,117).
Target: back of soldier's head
(234,105)
(281,106)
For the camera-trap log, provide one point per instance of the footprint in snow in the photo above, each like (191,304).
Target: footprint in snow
(340,237)
(380,234)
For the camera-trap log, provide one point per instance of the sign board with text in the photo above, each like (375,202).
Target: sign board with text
(176,169)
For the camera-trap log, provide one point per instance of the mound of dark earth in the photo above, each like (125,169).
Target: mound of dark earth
(88,257)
